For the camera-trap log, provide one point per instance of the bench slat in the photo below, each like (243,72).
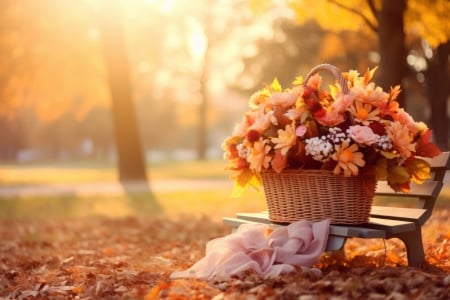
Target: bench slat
(391,226)
(364,232)
(428,189)
(340,230)
(263,217)
(441,161)
(417,215)
(234,222)
(335,230)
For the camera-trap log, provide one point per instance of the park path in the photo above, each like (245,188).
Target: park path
(113,188)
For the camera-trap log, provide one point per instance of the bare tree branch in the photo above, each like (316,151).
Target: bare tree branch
(373,8)
(372,26)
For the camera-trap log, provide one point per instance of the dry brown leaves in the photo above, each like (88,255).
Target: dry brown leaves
(132,258)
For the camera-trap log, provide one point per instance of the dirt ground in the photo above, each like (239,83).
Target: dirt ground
(132,258)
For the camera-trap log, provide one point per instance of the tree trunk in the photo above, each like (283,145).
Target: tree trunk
(392,44)
(202,144)
(131,163)
(437,79)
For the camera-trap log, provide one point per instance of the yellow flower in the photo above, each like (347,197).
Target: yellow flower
(364,112)
(258,157)
(352,77)
(286,139)
(348,159)
(401,139)
(259,98)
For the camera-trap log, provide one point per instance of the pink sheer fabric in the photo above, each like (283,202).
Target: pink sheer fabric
(256,247)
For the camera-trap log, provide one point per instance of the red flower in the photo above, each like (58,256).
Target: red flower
(425,147)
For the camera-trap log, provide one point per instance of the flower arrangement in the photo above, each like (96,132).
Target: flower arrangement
(352,127)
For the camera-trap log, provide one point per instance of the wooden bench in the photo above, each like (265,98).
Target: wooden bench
(385,221)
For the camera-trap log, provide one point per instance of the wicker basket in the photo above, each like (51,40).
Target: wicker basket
(318,194)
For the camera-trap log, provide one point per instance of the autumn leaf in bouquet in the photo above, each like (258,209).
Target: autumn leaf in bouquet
(350,128)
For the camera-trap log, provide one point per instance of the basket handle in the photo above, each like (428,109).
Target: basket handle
(334,70)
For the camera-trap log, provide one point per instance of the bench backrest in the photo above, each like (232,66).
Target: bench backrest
(425,193)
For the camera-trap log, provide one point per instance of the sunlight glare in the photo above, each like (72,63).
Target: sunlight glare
(197,43)
(165,6)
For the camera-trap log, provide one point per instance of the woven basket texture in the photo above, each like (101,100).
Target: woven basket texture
(315,195)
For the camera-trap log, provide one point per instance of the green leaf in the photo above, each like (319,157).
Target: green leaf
(398,175)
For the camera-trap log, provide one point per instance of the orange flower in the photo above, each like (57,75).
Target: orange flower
(370,94)
(286,139)
(286,99)
(364,112)
(279,161)
(375,94)
(258,157)
(403,117)
(348,159)
(262,121)
(401,139)
(335,112)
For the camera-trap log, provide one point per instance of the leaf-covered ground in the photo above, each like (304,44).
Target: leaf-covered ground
(132,258)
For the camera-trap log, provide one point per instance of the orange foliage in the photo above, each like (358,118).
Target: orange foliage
(44,259)
(425,19)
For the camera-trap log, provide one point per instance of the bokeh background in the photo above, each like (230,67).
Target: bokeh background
(98,93)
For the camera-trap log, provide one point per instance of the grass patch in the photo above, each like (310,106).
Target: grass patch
(215,204)
(214,169)
(69,206)
(212,203)
(98,172)
(172,204)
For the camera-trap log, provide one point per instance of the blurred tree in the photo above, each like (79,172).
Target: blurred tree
(97,127)
(437,77)
(10,139)
(56,141)
(51,60)
(395,23)
(212,25)
(131,161)
(155,113)
(294,49)
(290,51)
(44,47)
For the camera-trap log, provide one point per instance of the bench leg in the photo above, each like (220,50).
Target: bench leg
(335,243)
(414,247)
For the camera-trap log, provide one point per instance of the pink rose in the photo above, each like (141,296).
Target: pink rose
(301,130)
(363,135)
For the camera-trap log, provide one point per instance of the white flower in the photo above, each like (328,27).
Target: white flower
(319,149)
